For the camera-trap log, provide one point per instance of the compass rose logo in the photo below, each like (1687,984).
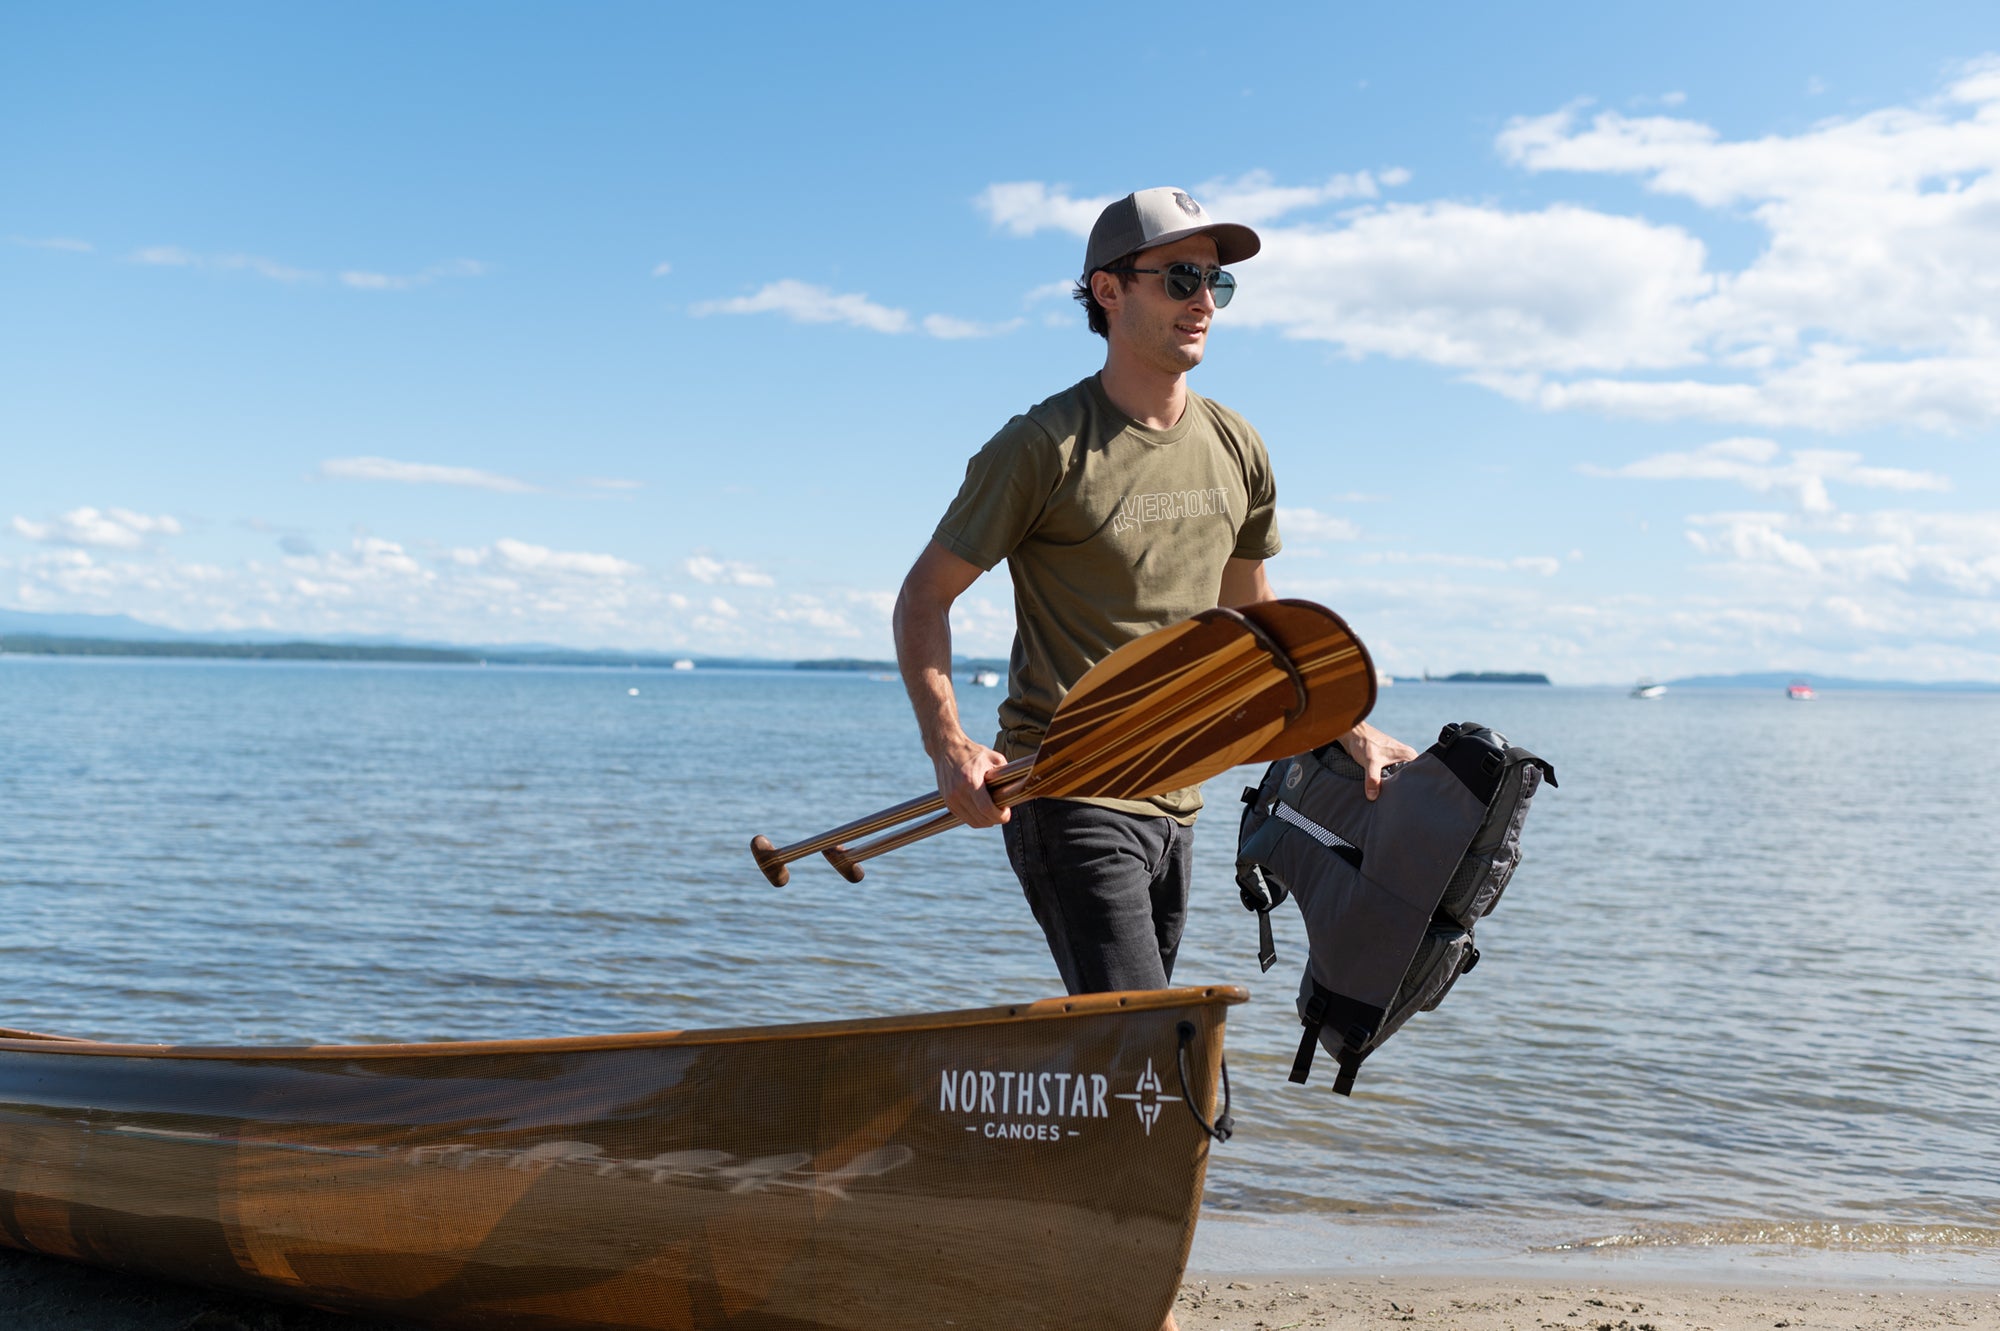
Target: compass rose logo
(1145,1097)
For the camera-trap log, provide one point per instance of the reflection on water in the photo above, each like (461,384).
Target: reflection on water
(1746,970)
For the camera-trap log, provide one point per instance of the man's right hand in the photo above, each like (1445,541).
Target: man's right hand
(962,769)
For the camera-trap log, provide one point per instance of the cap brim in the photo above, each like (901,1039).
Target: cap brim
(1234,242)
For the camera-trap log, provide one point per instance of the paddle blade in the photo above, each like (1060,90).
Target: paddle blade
(1167,710)
(1338,674)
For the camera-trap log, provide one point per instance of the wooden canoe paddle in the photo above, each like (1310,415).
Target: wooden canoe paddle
(1183,699)
(1338,672)
(1338,675)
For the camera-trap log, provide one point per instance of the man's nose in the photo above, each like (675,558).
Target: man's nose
(1203,298)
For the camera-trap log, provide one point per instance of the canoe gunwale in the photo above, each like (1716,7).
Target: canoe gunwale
(1048,1009)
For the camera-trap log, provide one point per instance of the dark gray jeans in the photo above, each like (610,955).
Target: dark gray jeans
(1109,889)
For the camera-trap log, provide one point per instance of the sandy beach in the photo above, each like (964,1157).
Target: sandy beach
(42,1294)
(1308,1303)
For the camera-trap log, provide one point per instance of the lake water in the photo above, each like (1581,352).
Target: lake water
(1744,991)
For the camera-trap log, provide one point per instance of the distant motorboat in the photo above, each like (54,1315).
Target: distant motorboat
(986,679)
(1646,688)
(683,664)
(1800,691)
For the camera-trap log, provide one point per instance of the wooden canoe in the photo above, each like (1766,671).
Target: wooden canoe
(1019,1167)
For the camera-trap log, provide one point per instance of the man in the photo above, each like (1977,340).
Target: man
(1123,504)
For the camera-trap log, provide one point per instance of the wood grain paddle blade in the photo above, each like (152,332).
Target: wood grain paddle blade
(1166,711)
(1339,674)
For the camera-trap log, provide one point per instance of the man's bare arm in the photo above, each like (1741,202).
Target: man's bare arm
(923,654)
(1244,583)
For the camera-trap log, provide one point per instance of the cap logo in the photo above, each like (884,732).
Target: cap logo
(1187,203)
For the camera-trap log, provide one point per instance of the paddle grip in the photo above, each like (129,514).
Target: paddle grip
(765,852)
(838,857)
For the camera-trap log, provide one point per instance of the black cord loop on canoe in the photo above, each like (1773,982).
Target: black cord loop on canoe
(1224,1126)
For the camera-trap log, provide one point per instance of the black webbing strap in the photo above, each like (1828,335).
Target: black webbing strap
(1315,1020)
(1267,946)
(1358,1023)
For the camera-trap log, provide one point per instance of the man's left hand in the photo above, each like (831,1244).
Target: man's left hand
(1374,751)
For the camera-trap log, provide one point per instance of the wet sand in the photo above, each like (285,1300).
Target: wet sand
(1350,1302)
(42,1294)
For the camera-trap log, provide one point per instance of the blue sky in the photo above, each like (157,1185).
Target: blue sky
(1585,339)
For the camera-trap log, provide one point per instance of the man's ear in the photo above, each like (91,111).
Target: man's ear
(1106,288)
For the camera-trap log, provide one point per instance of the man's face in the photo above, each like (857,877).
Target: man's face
(1144,321)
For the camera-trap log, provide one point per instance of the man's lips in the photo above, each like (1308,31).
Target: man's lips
(1191,330)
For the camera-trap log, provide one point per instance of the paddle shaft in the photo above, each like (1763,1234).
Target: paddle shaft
(848,862)
(773,859)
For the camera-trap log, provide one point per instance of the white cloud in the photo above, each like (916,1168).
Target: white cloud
(1858,555)
(1871,301)
(1027,207)
(1473,287)
(421,473)
(508,590)
(67,244)
(1541,565)
(1874,297)
(268,268)
(1317,526)
(662,269)
(949,329)
(108,529)
(803,302)
(168,256)
(612,483)
(1024,207)
(1255,198)
(729,573)
(522,557)
(370,281)
(173,256)
(1829,390)
(1754,464)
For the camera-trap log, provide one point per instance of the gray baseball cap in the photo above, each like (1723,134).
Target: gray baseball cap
(1159,217)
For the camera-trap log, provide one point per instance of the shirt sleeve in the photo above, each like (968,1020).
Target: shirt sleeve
(1007,488)
(1258,537)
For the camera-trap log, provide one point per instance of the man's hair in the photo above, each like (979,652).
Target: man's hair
(1093,313)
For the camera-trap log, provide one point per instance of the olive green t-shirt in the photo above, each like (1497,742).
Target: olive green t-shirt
(1110,530)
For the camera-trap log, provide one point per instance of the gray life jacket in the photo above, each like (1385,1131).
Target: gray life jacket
(1389,888)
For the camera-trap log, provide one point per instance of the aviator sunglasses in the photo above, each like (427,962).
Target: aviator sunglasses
(1184,279)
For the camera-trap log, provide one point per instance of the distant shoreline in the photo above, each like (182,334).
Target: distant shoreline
(305,650)
(40,644)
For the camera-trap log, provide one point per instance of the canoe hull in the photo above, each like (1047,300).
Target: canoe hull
(1023,1167)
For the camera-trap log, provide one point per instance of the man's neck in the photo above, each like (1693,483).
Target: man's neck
(1153,399)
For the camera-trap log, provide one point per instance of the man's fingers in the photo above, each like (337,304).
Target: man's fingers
(968,797)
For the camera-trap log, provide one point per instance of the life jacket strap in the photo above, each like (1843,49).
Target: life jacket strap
(1350,1064)
(1315,1020)
(1360,1021)
(1267,946)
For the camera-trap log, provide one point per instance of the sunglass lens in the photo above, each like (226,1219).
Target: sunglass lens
(1183,280)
